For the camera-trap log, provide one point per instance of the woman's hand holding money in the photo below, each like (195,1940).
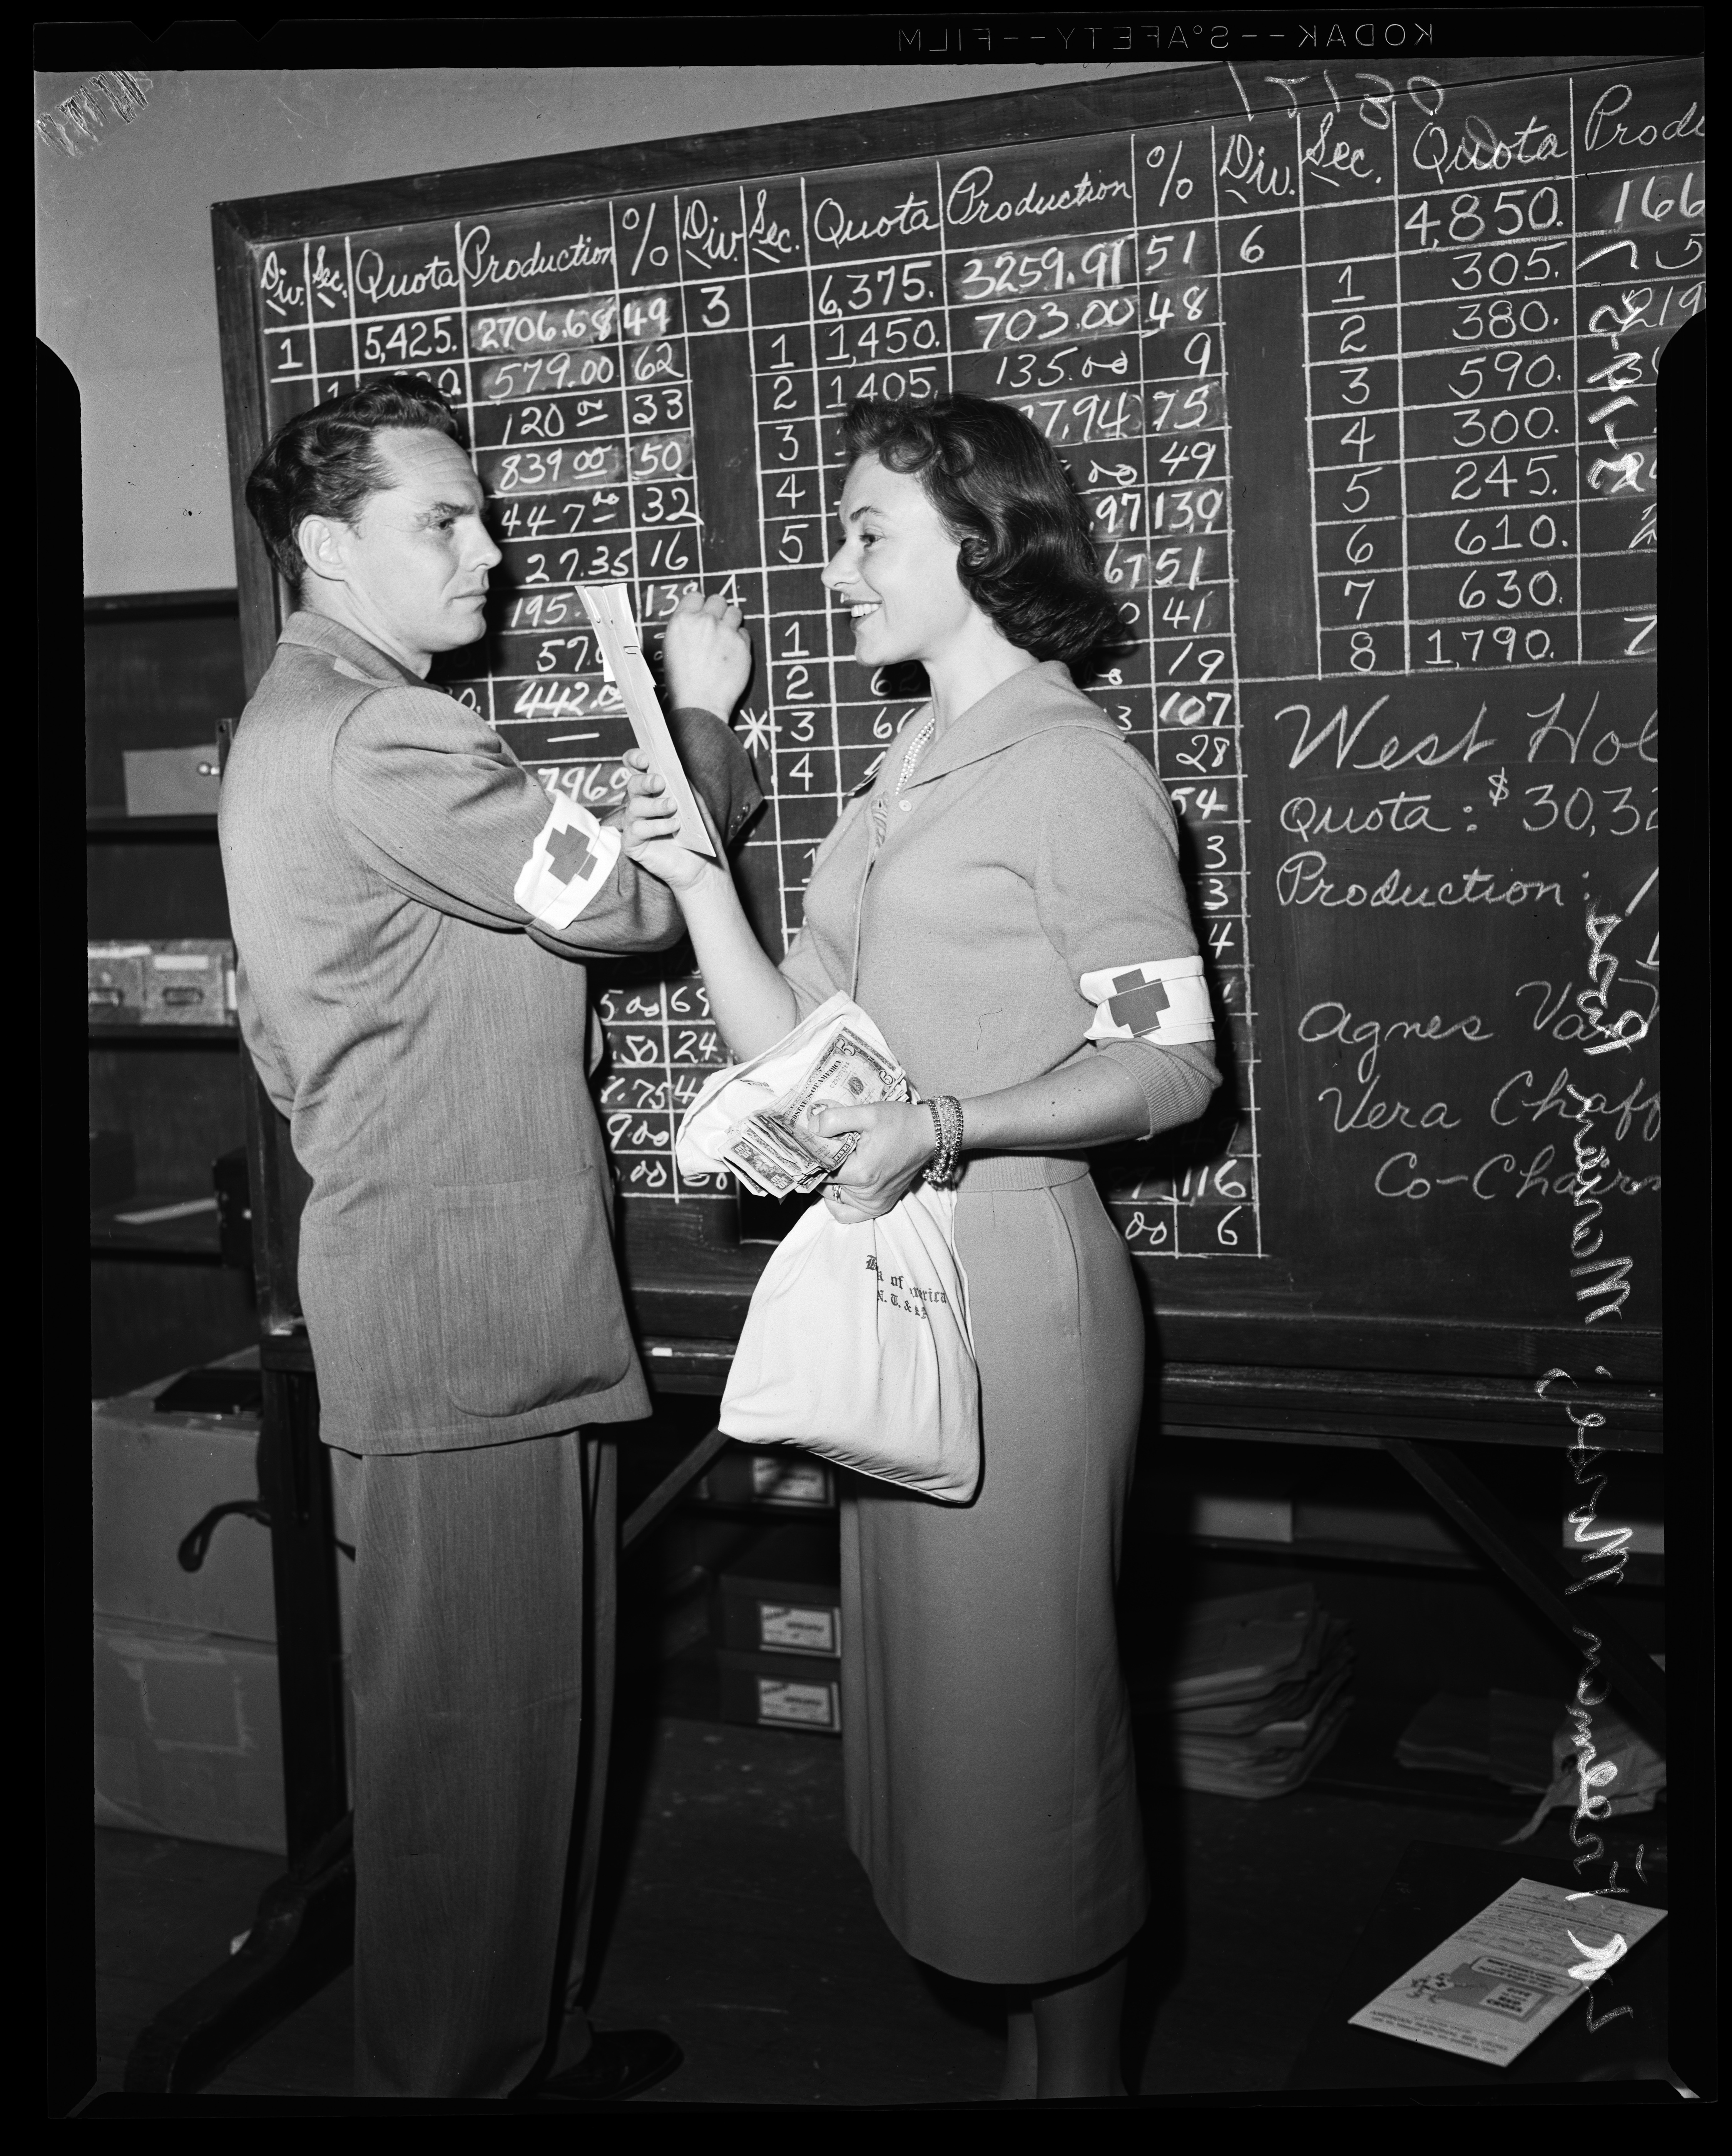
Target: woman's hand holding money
(897,1142)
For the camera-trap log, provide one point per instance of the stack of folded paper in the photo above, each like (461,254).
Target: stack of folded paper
(1504,1736)
(1259,1692)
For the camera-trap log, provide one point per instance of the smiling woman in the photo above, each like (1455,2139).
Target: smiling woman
(1004,901)
(1023,554)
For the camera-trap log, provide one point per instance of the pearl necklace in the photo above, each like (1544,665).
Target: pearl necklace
(914,746)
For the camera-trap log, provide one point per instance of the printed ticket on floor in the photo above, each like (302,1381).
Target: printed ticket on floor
(1491,1987)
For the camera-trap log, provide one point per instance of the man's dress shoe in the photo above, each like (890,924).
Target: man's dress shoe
(619,2063)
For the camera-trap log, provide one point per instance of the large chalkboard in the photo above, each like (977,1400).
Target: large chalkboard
(1357,375)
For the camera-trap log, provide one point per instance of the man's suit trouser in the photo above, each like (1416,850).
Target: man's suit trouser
(478,1774)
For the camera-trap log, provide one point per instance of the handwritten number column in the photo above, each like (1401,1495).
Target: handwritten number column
(1353,337)
(1211,1210)
(790,725)
(1488,334)
(1641,197)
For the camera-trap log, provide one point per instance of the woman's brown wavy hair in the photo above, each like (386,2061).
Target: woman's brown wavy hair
(1026,557)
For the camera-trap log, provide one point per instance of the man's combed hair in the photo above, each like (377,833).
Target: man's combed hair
(1025,556)
(325,462)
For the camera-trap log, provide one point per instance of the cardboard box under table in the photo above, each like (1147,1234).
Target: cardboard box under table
(782,1480)
(188,1737)
(778,1626)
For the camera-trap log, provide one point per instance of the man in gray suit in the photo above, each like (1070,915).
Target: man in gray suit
(411,913)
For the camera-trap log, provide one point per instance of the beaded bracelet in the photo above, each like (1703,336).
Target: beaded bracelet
(946,1112)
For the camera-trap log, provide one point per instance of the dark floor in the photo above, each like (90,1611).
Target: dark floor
(742,1925)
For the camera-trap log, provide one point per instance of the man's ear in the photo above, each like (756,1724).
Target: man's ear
(324,543)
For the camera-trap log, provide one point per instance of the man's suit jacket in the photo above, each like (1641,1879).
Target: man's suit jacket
(425,1031)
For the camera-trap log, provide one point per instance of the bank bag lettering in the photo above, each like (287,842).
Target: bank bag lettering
(1164,1000)
(857,1348)
(573,857)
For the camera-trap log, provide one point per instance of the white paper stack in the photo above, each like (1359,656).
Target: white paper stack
(1257,1693)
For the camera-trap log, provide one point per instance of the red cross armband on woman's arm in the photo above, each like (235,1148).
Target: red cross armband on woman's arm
(1164,1001)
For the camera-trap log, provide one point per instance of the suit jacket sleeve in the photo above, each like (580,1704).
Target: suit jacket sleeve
(441,808)
(718,768)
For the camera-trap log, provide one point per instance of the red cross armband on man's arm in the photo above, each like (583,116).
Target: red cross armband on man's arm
(447,814)
(573,856)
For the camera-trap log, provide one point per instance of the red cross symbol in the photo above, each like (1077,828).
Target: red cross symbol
(1137,1005)
(571,856)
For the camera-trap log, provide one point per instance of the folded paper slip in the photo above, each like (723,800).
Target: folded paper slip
(1488,1990)
(609,608)
(1242,1646)
(1288,1705)
(1223,1771)
(756,1120)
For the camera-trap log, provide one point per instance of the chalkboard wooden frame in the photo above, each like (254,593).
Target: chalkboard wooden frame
(685,1279)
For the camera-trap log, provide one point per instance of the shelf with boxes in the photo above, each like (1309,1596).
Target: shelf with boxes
(731,1609)
(171,1280)
(770,1652)
(776,1625)
(1361,1599)
(174,996)
(173,987)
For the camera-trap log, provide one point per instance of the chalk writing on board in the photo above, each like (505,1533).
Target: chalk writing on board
(1358,387)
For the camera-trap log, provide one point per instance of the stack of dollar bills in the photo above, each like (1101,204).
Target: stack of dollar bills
(756,1119)
(776,1152)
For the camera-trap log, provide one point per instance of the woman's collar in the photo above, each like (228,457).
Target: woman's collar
(1032,702)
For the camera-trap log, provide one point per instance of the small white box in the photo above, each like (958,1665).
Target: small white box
(799,1629)
(1250,1516)
(114,979)
(809,1705)
(189,980)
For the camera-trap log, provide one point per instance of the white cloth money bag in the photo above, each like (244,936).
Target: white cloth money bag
(857,1345)
(857,1348)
